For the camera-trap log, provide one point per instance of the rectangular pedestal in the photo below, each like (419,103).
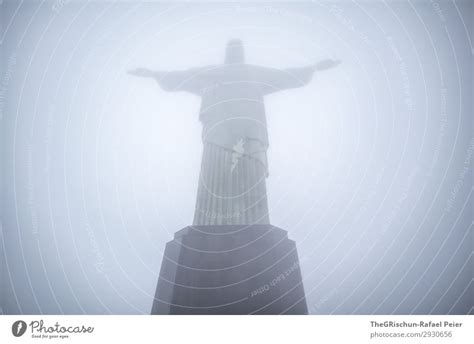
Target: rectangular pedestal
(232,269)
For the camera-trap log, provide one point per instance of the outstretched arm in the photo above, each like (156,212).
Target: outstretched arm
(327,64)
(189,80)
(274,80)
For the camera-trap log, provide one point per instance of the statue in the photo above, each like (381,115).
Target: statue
(234,167)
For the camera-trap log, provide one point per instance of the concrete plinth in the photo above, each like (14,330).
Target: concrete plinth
(230,269)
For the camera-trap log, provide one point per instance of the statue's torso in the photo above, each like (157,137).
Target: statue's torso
(232,107)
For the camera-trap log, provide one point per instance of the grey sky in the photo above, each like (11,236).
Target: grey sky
(370,164)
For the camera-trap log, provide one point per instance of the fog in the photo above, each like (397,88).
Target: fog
(370,164)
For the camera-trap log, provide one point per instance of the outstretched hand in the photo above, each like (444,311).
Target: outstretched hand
(142,72)
(327,64)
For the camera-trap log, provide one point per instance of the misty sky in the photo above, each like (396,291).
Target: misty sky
(370,164)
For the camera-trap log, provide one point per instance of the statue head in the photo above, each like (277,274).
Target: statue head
(234,53)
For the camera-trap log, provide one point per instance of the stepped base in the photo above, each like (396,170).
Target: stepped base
(230,269)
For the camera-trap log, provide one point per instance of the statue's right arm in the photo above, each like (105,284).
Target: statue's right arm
(188,80)
(327,64)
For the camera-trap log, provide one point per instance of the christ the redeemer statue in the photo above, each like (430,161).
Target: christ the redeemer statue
(234,167)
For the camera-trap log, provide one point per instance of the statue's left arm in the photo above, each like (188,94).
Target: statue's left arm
(274,80)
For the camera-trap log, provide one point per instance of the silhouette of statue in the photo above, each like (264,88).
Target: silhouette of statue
(234,165)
